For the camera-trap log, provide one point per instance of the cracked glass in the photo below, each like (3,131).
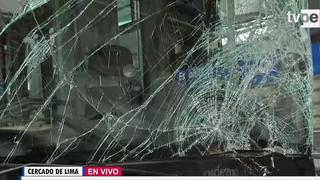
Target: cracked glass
(114,81)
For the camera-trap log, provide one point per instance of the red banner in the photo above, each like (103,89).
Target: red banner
(102,171)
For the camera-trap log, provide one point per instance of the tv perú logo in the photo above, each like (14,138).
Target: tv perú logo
(308,17)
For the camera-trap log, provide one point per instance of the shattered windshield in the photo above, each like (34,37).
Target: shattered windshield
(120,80)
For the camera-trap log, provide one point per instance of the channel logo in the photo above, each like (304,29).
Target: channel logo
(309,18)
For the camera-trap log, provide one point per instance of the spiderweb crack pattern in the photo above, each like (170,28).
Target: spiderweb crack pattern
(251,94)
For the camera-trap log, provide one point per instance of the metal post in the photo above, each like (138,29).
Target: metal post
(230,9)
